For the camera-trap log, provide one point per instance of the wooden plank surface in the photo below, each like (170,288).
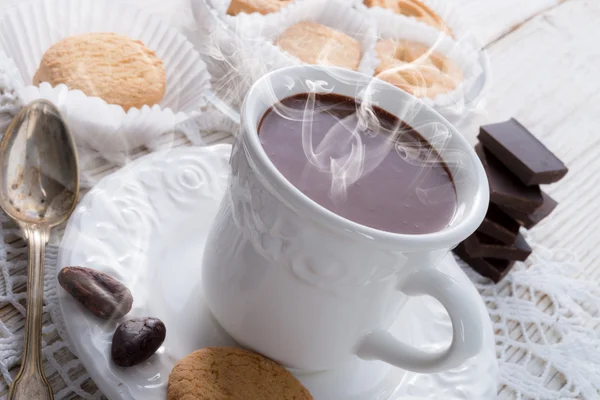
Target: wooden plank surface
(546,75)
(492,19)
(544,64)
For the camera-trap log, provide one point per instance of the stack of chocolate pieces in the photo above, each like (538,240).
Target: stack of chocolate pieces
(516,163)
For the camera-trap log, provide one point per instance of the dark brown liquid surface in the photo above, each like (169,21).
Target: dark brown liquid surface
(381,174)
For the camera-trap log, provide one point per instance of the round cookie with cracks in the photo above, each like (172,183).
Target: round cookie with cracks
(314,43)
(415,68)
(217,373)
(116,68)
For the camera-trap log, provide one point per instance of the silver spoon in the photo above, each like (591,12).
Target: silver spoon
(39,186)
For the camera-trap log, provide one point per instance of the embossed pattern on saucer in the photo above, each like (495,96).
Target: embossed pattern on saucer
(146,226)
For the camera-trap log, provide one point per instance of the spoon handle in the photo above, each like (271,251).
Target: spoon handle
(30,383)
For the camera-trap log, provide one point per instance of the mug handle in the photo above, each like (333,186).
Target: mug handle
(466,327)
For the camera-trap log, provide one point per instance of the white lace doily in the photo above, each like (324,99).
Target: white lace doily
(545,319)
(546,324)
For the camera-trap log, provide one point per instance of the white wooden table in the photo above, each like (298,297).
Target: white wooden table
(545,62)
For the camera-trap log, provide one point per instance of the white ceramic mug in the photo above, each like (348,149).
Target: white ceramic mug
(310,289)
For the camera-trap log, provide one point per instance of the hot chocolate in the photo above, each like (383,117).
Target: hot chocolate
(362,163)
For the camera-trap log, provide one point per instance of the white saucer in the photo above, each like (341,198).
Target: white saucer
(146,225)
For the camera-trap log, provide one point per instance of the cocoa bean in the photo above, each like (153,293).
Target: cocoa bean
(101,294)
(136,340)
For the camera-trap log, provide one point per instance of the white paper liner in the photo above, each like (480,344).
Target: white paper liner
(336,14)
(105,127)
(10,85)
(28,30)
(176,13)
(213,38)
(221,7)
(458,103)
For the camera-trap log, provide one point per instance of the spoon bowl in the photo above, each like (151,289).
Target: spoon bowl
(39,178)
(39,186)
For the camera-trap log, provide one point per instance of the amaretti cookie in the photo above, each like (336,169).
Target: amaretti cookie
(227,373)
(116,68)
(415,68)
(314,43)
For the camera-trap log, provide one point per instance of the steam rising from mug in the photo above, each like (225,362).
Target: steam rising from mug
(345,153)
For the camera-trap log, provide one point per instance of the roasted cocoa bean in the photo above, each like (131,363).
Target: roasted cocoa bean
(136,340)
(101,294)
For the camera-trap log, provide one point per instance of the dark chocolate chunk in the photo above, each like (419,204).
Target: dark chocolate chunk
(531,220)
(499,225)
(136,340)
(505,189)
(479,245)
(101,294)
(492,268)
(522,153)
